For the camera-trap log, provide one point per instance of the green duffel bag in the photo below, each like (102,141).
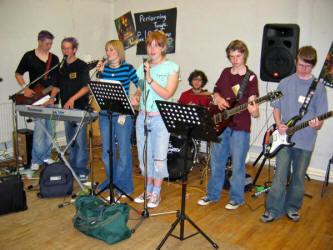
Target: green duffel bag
(97,219)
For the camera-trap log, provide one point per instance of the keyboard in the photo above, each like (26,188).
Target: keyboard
(72,115)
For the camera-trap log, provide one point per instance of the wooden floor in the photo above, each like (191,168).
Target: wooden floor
(45,226)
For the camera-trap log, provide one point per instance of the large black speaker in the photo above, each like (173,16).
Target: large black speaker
(279,48)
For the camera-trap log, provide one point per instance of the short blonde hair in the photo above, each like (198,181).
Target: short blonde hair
(119,47)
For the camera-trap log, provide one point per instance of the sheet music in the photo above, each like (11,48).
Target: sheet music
(42,100)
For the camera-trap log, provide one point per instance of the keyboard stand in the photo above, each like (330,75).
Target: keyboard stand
(61,153)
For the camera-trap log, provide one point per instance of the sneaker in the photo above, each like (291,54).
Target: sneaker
(140,199)
(115,200)
(267,217)
(154,200)
(232,205)
(49,161)
(83,177)
(294,216)
(34,166)
(204,201)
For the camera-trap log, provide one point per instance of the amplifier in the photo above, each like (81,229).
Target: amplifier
(24,140)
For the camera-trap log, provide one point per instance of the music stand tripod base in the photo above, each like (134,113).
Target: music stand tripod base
(191,122)
(111,96)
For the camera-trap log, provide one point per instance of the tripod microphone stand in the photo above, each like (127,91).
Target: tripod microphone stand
(144,213)
(191,122)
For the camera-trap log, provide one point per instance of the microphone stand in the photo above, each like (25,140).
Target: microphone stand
(145,213)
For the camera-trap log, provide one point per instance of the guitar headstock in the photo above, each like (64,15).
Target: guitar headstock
(92,64)
(274,95)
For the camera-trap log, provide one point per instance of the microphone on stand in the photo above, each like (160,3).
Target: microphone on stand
(63,61)
(144,60)
(99,73)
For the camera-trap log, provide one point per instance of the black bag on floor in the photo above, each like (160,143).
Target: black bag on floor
(12,194)
(56,180)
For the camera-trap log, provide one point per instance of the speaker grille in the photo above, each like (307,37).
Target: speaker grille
(279,48)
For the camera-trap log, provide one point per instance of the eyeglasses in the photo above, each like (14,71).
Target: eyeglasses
(307,66)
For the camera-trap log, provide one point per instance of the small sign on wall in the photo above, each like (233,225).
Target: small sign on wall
(146,22)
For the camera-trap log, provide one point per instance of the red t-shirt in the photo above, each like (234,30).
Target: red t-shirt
(188,97)
(224,86)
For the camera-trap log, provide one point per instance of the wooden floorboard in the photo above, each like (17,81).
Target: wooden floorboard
(45,226)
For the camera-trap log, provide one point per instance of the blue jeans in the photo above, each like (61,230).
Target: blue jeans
(157,148)
(78,152)
(282,199)
(41,142)
(122,169)
(236,144)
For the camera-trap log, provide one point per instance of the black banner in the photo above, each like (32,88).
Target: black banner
(164,20)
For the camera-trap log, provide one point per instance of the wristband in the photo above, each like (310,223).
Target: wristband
(150,81)
(53,98)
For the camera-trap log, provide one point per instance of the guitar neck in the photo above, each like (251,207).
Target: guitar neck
(243,107)
(292,130)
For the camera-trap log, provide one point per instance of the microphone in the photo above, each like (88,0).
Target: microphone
(144,60)
(99,73)
(63,61)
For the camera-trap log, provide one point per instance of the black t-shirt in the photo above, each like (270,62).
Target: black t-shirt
(36,67)
(73,77)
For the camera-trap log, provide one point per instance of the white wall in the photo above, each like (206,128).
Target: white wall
(204,29)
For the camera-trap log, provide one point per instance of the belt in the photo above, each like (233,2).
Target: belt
(150,113)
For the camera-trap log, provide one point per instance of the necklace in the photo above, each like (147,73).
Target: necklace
(114,65)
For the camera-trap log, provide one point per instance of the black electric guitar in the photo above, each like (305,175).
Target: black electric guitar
(41,91)
(274,141)
(222,118)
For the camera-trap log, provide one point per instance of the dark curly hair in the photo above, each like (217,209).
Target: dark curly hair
(197,73)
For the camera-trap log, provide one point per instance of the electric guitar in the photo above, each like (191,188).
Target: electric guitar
(274,141)
(222,118)
(41,91)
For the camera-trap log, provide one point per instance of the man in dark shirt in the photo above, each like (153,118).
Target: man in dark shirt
(37,62)
(235,139)
(73,87)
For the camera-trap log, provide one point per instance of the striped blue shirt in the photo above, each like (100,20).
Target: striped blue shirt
(126,73)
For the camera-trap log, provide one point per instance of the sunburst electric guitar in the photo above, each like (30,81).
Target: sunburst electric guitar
(223,118)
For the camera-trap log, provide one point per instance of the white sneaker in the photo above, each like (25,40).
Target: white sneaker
(232,205)
(140,199)
(34,166)
(49,161)
(115,200)
(154,200)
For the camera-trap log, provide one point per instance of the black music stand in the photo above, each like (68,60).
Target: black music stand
(189,121)
(111,96)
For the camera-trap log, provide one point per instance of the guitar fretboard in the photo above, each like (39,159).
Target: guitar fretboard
(292,130)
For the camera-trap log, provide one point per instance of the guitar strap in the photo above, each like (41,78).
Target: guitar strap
(307,100)
(48,64)
(243,85)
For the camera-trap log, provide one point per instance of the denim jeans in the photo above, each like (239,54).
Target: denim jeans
(122,169)
(236,144)
(78,152)
(41,142)
(282,199)
(157,148)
